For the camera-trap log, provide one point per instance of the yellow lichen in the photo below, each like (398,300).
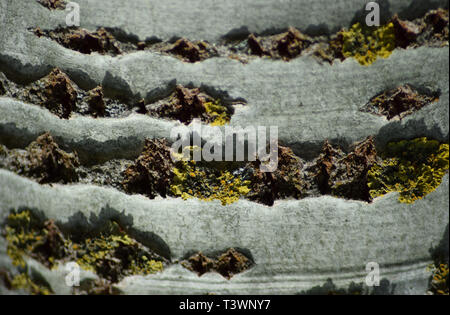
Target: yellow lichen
(21,236)
(366,44)
(104,249)
(194,181)
(219,113)
(112,254)
(23,281)
(116,254)
(440,279)
(414,168)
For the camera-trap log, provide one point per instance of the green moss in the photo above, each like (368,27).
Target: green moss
(414,168)
(366,44)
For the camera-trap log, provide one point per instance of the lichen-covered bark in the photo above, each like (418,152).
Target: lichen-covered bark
(61,96)
(399,102)
(227,264)
(112,254)
(286,181)
(152,173)
(42,160)
(84,41)
(53,4)
(414,168)
(187,104)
